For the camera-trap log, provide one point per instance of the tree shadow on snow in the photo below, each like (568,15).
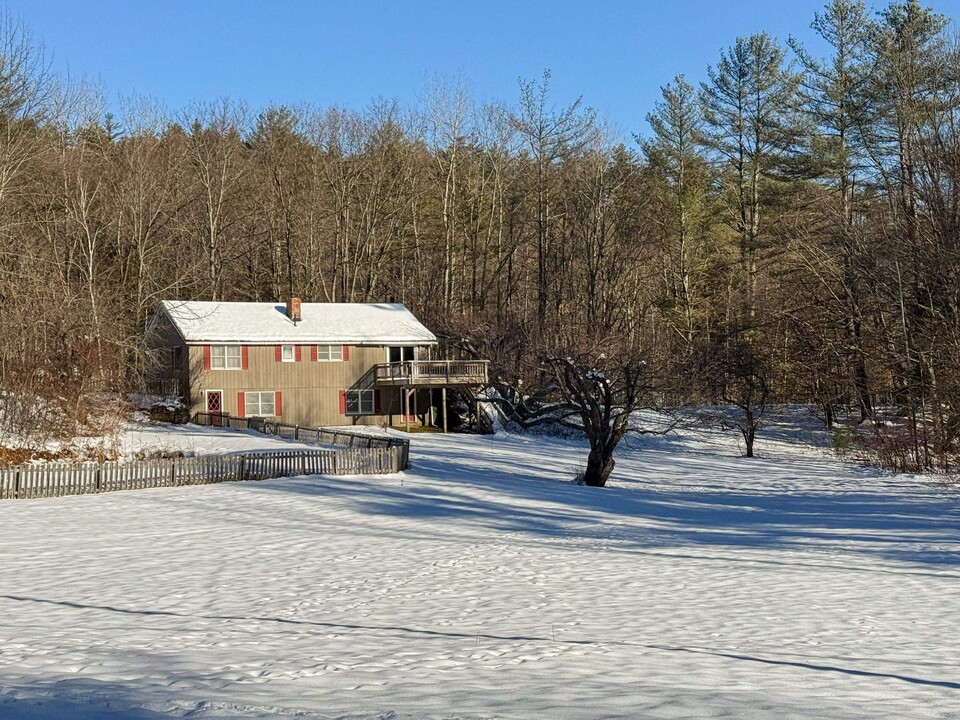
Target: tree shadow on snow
(81,698)
(511,488)
(78,699)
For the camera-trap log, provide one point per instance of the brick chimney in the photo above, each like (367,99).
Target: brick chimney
(293,309)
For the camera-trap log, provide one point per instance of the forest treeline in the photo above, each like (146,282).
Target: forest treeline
(787,230)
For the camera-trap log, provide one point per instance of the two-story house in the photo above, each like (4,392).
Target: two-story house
(311,364)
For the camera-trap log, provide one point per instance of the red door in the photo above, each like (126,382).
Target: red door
(215,407)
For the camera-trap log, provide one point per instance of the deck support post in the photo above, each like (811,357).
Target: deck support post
(406,406)
(444,403)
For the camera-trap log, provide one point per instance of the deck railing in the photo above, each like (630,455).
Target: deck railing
(432,372)
(168,387)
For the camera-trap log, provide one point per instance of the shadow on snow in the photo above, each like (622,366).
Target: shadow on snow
(682,499)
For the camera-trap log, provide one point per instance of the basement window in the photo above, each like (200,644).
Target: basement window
(260,404)
(359,402)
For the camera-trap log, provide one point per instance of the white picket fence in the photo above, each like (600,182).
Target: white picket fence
(57,479)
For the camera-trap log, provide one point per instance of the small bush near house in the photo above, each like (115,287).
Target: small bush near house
(166,412)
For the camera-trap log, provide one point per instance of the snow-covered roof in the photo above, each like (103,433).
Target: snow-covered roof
(267,323)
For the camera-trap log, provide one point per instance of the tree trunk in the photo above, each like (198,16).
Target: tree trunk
(600,464)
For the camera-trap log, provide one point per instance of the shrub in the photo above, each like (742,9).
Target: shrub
(843,442)
(166,412)
(579,476)
(900,447)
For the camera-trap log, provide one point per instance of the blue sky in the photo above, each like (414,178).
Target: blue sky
(616,54)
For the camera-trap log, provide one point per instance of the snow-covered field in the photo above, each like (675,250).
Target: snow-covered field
(482,583)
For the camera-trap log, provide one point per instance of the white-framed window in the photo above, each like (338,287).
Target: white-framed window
(330,353)
(225,357)
(260,404)
(360,402)
(288,353)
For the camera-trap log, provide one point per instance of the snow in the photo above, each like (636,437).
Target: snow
(249,322)
(483,583)
(143,439)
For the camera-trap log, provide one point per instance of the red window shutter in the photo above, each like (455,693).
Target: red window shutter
(296,353)
(241,405)
(244,357)
(206,357)
(346,352)
(376,402)
(278,353)
(343,402)
(313,353)
(278,404)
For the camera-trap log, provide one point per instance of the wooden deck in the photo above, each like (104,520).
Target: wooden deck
(432,373)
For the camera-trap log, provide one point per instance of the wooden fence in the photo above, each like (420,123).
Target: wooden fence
(397,447)
(56,479)
(355,454)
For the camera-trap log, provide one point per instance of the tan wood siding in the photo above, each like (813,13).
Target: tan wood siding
(311,389)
